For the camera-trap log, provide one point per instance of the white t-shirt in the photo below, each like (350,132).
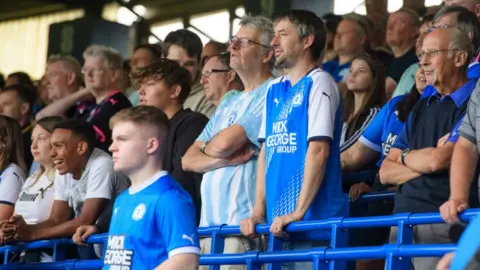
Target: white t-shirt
(36,199)
(97,181)
(11,182)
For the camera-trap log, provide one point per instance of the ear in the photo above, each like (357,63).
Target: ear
(268,56)
(116,73)
(415,33)
(308,41)
(175,92)
(25,108)
(460,58)
(477,11)
(153,145)
(231,76)
(82,148)
(72,77)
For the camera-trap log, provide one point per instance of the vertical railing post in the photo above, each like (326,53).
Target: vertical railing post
(274,244)
(404,237)
(252,261)
(59,254)
(217,245)
(339,239)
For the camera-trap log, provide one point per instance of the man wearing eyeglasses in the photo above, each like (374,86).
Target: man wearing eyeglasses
(419,160)
(218,78)
(185,48)
(224,152)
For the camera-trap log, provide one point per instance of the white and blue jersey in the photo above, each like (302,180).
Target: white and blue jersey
(293,117)
(150,224)
(228,193)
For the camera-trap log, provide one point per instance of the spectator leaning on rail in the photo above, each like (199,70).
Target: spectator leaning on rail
(185,48)
(165,84)
(153,223)
(223,152)
(84,183)
(36,196)
(301,135)
(218,78)
(420,158)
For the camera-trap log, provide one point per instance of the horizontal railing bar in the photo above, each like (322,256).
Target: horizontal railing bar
(354,253)
(376,196)
(346,223)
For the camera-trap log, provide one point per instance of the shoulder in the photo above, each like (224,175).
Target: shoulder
(14,170)
(323,80)
(275,81)
(99,159)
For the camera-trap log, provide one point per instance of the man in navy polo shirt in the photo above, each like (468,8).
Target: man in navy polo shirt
(420,158)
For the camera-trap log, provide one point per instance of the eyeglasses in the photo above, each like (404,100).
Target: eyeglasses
(245,41)
(443,26)
(432,53)
(86,71)
(209,72)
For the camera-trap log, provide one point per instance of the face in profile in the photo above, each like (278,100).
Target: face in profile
(11,106)
(41,147)
(156,93)
(360,76)
(65,150)
(130,147)
(420,81)
(286,44)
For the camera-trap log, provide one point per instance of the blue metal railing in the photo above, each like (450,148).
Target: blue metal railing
(333,257)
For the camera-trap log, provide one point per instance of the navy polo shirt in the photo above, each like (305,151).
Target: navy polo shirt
(432,118)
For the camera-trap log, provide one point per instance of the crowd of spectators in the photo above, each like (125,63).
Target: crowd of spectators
(234,144)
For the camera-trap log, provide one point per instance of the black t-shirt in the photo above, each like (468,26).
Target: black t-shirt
(430,120)
(398,65)
(100,115)
(185,127)
(81,110)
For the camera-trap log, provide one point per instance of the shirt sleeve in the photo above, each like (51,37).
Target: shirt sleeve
(402,141)
(353,139)
(454,134)
(262,133)
(60,187)
(469,125)
(10,185)
(251,120)
(324,101)
(101,178)
(407,81)
(178,231)
(372,136)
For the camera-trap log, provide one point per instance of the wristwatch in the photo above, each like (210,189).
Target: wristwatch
(403,155)
(202,148)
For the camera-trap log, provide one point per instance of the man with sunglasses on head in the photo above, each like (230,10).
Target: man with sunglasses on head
(185,48)
(218,77)
(224,152)
(419,160)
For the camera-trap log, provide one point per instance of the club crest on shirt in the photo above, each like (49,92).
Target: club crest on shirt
(139,212)
(297,99)
(231,118)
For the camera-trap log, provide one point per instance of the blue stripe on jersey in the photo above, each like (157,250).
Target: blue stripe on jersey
(286,145)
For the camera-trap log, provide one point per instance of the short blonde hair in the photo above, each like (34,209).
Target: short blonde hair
(143,115)
(111,57)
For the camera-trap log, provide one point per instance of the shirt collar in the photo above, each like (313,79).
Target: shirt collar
(459,96)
